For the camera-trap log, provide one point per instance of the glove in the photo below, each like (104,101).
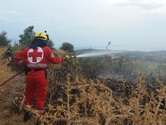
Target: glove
(67,57)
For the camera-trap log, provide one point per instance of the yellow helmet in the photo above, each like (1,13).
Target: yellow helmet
(42,36)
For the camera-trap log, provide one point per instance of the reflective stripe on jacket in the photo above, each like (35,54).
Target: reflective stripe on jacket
(37,58)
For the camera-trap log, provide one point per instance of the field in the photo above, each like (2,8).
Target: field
(77,96)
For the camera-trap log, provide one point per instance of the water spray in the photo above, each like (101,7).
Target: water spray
(98,53)
(93,54)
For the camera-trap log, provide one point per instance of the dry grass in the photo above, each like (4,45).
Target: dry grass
(5,71)
(87,102)
(75,100)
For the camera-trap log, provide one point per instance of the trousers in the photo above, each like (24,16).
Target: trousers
(36,89)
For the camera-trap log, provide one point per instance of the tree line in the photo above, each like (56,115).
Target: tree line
(26,38)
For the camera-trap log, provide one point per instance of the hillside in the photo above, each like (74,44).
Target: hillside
(77,96)
(153,62)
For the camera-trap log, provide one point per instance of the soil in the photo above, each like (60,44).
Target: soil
(11,112)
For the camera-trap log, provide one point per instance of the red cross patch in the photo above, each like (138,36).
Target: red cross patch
(35,55)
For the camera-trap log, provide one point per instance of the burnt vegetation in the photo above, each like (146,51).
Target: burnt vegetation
(127,88)
(104,91)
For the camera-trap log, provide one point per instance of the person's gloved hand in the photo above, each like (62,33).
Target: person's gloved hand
(67,57)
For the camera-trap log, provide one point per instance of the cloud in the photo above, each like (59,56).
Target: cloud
(142,5)
(9,13)
(86,21)
(151,6)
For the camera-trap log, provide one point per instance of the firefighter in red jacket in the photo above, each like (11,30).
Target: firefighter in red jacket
(36,58)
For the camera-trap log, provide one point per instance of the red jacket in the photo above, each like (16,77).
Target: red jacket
(37,58)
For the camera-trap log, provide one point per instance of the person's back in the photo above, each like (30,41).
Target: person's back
(8,52)
(36,58)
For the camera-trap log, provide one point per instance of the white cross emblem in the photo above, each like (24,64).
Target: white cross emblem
(35,55)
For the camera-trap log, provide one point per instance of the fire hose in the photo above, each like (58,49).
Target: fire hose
(20,73)
(11,77)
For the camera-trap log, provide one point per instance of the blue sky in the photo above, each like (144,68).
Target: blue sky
(128,24)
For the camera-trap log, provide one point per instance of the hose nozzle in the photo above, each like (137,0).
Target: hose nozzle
(74,56)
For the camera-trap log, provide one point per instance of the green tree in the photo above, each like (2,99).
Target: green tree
(67,47)
(50,44)
(4,41)
(27,37)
